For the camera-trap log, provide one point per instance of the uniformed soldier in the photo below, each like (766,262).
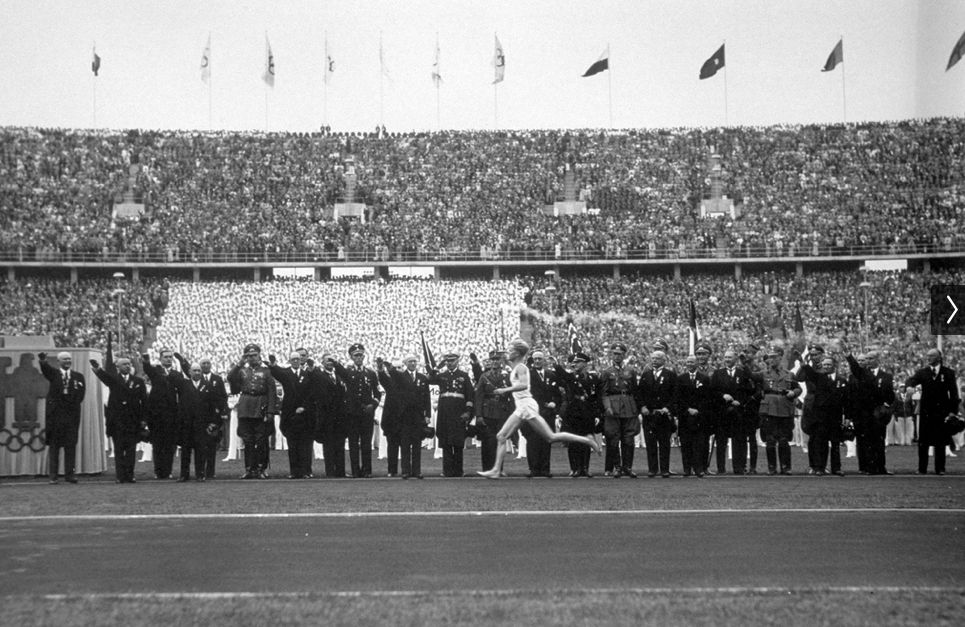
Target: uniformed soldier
(454,412)
(252,381)
(362,395)
(777,412)
(581,409)
(492,409)
(621,424)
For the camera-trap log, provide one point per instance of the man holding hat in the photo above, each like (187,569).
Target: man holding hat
(454,412)
(256,406)
(618,391)
(362,395)
(62,418)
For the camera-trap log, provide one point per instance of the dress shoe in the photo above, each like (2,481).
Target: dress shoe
(183,479)
(201,479)
(840,473)
(688,474)
(785,471)
(922,472)
(608,473)
(367,475)
(573,473)
(811,471)
(53,481)
(819,473)
(939,473)
(616,474)
(248,475)
(405,476)
(390,475)
(665,475)
(651,474)
(262,475)
(71,479)
(700,475)
(739,472)
(419,477)
(711,472)
(630,473)
(752,471)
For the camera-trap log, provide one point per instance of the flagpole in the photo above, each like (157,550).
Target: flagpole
(495,107)
(266,107)
(210,83)
(438,81)
(609,80)
(725,88)
(94,89)
(844,95)
(381,83)
(325,85)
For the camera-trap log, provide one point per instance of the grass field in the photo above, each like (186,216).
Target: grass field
(722,594)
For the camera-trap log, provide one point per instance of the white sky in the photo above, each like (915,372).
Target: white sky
(895,52)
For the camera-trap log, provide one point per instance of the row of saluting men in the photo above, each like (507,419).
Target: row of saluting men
(187,407)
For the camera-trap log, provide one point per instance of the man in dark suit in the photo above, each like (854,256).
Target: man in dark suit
(825,410)
(62,419)
(391,422)
(162,410)
(866,403)
(298,412)
(220,393)
(693,406)
(124,415)
(199,424)
(214,437)
(939,398)
(657,392)
(330,429)
(883,412)
(732,391)
(362,396)
(62,426)
(412,409)
(544,385)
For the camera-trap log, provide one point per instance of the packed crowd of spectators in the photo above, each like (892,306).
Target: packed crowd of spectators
(81,314)
(890,315)
(896,187)
(217,319)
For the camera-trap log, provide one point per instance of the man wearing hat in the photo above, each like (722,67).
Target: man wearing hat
(702,354)
(330,430)
(777,412)
(492,409)
(581,411)
(693,407)
(299,408)
(362,396)
(257,401)
(454,412)
(62,417)
(733,389)
(409,405)
(124,413)
(618,392)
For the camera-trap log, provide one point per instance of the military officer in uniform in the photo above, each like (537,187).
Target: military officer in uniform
(581,410)
(124,413)
(777,412)
(492,409)
(62,419)
(362,396)
(257,401)
(621,424)
(454,412)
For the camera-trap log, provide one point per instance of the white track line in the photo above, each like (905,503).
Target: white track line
(730,590)
(479,513)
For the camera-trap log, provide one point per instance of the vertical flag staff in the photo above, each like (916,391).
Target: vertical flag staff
(206,73)
(834,59)
(326,78)
(383,72)
(269,75)
(95,66)
(710,68)
(499,69)
(437,81)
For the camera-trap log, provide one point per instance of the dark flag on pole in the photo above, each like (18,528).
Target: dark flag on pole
(694,332)
(426,353)
(600,65)
(798,322)
(714,63)
(836,57)
(109,358)
(957,52)
(95,62)
(576,346)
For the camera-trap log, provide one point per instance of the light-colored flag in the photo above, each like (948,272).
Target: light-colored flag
(436,68)
(269,75)
(206,62)
(329,64)
(499,62)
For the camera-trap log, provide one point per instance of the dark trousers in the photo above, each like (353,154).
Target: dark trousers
(870,440)
(705,434)
(579,456)
(186,452)
(225,434)
(452,461)
(360,445)
(392,450)
(411,450)
(657,440)
(721,435)
(777,442)
(744,442)
(620,432)
(300,456)
(923,457)
(690,452)
(163,451)
(205,455)
(254,434)
(333,448)
(538,451)
(70,458)
(125,455)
